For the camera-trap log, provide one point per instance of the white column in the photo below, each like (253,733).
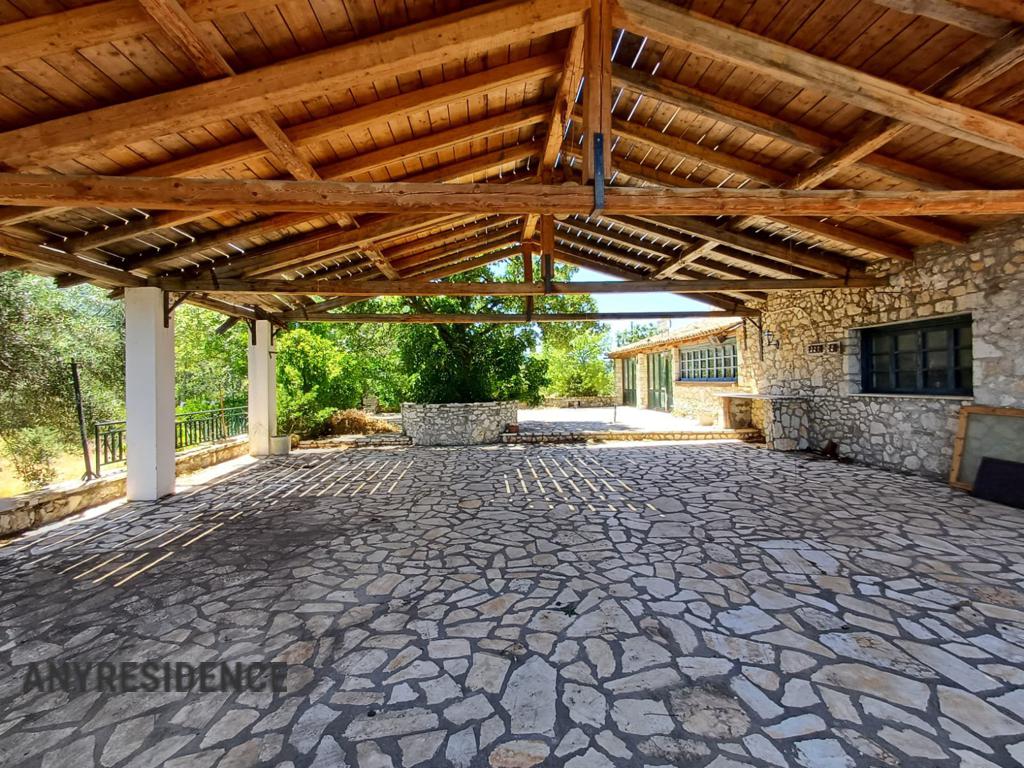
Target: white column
(149,394)
(262,390)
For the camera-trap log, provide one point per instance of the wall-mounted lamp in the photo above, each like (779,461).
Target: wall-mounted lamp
(771,340)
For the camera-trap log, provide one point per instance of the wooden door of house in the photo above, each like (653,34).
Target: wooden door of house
(659,381)
(629,381)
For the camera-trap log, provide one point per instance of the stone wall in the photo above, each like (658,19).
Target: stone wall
(457,423)
(32,510)
(583,401)
(910,433)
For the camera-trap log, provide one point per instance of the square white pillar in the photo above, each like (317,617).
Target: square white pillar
(149,394)
(262,389)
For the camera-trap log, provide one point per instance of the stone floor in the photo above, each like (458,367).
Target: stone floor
(622,605)
(618,419)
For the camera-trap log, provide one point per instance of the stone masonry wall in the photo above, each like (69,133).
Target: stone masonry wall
(32,510)
(910,433)
(457,423)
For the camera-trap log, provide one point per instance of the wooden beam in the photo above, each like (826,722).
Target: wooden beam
(389,54)
(564,317)
(422,288)
(217,238)
(35,254)
(762,174)
(791,254)
(561,113)
(722,301)
(673,26)
(953,13)
(597,87)
(556,199)
(343,123)
(830,230)
(97,23)
(716,108)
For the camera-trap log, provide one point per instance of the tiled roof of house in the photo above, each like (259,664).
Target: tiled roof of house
(695,329)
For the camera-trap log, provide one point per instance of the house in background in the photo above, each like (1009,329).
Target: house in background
(686,371)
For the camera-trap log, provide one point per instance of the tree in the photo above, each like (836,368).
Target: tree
(210,368)
(580,368)
(475,362)
(636,332)
(43,329)
(313,380)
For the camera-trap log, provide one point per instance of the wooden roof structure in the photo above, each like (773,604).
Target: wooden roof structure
(253,156)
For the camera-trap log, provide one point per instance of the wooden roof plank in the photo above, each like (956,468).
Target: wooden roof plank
(677,27)
(387,54)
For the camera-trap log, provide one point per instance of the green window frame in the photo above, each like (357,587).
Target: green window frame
(930,357)
(709,362)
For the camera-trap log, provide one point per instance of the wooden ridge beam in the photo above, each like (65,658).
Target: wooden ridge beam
(538,317)
(433,197)
(679,28)
(424,288)
(388,54)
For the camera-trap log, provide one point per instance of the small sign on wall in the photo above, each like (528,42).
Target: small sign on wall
(821,348)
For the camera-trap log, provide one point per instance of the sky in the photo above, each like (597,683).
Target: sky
(636,302)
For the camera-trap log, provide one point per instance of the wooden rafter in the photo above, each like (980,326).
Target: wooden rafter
(673,26)
(429,43)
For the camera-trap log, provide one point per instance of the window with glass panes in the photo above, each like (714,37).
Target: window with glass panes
(926,358)
(710,362)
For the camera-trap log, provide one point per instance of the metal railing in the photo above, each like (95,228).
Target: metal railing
(190,429)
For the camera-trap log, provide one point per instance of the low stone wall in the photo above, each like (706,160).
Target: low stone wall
(597,401)
(31,510)
(457,423)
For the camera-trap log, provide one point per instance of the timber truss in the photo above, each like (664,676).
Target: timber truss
(283,159)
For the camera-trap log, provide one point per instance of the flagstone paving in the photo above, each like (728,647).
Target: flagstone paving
(627,605)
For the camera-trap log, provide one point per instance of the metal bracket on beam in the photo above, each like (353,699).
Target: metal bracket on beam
(170,306)
(598,173)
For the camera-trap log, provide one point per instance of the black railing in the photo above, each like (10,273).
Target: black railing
(190,429)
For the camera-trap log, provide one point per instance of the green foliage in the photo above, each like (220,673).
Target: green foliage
(32,452)
(475,362)
(636,332)
(43,329)
(580,368)
(210,368)
(314,379)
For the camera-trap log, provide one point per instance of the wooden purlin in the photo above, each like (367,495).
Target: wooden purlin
(426,288)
